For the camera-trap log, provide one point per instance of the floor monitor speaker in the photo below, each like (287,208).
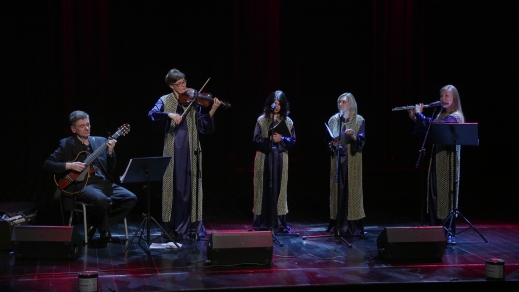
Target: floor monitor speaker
(412,243)
(46,242)
(229,248)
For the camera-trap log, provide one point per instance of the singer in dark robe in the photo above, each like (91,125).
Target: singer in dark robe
(439,203)
(271,164)
(181,200)
(346,193)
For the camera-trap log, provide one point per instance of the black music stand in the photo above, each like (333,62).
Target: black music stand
(463,134)
(146,170)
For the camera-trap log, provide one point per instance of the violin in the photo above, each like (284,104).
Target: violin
(203,99)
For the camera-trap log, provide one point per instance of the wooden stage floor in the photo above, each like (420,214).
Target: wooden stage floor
(325,263)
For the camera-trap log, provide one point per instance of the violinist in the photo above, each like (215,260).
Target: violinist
(181,119)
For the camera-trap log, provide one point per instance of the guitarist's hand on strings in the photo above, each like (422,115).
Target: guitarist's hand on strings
(76,166)
(111,145)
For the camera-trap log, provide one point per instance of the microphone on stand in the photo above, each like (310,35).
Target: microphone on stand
(273,105)
(341,113)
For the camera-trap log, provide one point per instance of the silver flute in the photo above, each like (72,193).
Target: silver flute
(409,107)
(404,108)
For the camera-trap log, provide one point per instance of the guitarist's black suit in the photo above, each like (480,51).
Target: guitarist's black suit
(68,150)
(112,202)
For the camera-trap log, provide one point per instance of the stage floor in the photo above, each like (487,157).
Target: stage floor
(315,263)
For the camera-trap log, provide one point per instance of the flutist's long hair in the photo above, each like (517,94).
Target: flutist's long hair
(457,102)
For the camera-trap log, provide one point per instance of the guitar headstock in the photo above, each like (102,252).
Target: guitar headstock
(121,131)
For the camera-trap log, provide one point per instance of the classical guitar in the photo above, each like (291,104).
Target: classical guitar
(73,181)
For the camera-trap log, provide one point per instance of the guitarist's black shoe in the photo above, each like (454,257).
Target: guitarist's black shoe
(91,231)
(105,235)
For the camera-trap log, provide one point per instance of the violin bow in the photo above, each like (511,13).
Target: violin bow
(204,84)
(194,101)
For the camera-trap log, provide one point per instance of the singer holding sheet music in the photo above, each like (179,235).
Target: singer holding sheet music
(438,203)
(346,193)
(274,135)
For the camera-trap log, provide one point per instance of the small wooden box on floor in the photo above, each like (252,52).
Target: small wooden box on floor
(412,243)
(235,247)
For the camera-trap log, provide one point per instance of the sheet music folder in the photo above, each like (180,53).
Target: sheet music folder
(136,169)
(330,132)
(465,134)
(282,129)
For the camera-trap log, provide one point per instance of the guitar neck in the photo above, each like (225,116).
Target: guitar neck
(94,155)
(101,148)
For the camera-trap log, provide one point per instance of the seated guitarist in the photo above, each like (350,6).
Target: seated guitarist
(112,202)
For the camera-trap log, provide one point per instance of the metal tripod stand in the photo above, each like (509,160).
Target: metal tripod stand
(455,134)
(145,170)
(337,232)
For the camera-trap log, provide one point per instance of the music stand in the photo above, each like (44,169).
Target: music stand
(146,170)
(337,232)
(463,134)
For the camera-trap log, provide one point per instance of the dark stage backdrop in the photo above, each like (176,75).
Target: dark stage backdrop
(109,58)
